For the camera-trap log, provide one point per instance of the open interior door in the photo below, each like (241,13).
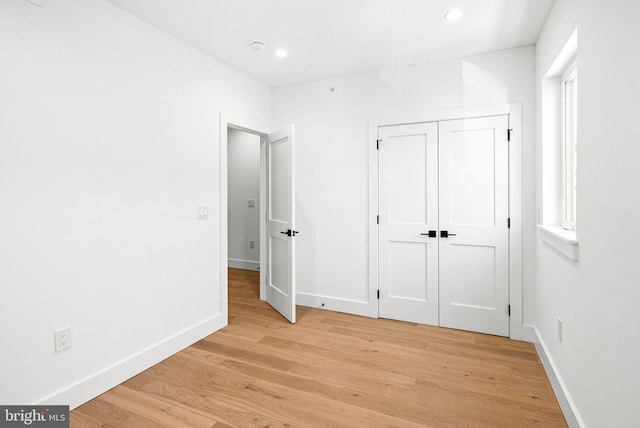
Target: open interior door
(281,248)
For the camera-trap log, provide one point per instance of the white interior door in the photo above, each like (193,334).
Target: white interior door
(474,211)
(408,257)
(280,249)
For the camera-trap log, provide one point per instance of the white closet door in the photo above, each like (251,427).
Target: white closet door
(474,210)
(408,257)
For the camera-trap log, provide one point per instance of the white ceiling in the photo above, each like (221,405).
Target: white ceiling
(328,38)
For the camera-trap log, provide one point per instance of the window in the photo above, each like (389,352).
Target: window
(570,143)
(559,148)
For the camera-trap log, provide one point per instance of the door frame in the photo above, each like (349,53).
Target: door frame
(514,112)
(227,121)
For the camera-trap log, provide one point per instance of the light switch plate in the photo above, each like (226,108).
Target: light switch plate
(203,212)
(252,203)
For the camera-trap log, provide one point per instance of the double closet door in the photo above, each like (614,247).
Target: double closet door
(443,224)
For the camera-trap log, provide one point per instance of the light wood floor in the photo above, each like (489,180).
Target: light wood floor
(331,370)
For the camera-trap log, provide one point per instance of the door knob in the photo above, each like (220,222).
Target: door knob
(446,234)
(290,232)
(430,234)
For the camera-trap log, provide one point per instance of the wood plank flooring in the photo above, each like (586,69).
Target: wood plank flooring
(331,370)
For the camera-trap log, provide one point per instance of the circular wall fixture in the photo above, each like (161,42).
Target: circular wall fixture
(281,53)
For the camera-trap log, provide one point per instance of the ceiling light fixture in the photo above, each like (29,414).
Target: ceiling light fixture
(257,46)
(281,53)
(453,15)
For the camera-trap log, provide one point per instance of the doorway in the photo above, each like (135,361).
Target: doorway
(444,250)
(275,210)
(443,231)
(243,200)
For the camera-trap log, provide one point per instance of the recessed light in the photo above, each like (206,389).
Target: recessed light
(453,15)
(281,53)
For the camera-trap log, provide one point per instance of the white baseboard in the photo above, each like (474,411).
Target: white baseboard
(332,304)
(244,264)
(530,334)
(109,377)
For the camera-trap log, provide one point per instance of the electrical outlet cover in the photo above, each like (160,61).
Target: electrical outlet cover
(62,339)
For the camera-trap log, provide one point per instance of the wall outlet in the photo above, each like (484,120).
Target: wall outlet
(252,244)
(252,203)
(559,329)
(62,339)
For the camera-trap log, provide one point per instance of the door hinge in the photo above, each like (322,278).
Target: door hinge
(378,144)
(509,223)
(377,219)
(509,310)
(378,294)
(509,131)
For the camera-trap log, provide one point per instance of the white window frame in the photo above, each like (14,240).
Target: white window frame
(552,175)
(569,140)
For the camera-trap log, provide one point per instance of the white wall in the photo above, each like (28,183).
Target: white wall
(109,140)
(243,157)
(597,297)
(332,157)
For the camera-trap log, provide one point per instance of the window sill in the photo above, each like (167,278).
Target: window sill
(564,241)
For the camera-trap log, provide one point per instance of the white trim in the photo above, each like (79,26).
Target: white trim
(515,214)
(263,217)
(373,307)
(567,404)
(244,264)
(529,334)
(553,151)
(569,168)
(93,385)
(562,240)
(565,57)
(355,307)
(440,115)
(571,72)
(243,124)
(514,111)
